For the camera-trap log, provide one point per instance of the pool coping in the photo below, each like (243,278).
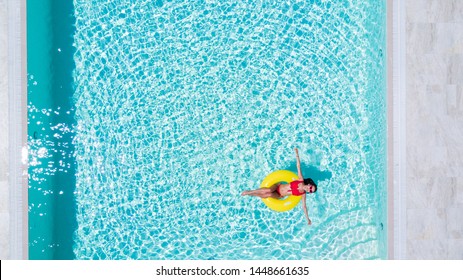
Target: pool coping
(396,92)
(17,130)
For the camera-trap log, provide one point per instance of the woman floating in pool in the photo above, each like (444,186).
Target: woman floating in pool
(298,188)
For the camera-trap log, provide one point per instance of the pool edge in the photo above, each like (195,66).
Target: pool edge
(17,129)
(396,129)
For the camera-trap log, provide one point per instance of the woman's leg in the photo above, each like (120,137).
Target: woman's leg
(275,195)
(263,192)
(274,188)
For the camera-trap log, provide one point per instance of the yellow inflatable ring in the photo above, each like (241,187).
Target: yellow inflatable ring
(280,205)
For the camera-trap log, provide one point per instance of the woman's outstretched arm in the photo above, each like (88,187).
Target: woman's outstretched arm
(304,207)
(299,172)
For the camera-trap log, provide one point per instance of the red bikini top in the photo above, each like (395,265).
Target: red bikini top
(294,188)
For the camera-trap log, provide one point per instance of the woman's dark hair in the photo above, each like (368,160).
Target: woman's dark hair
(309,181)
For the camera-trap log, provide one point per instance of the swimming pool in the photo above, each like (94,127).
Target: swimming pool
(151,117)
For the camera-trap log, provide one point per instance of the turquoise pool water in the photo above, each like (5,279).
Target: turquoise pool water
(170,109)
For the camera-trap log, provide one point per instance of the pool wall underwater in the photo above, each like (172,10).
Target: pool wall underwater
(67,132)
(50,65)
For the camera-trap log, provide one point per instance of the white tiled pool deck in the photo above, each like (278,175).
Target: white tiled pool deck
(434,130)
(431,217)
